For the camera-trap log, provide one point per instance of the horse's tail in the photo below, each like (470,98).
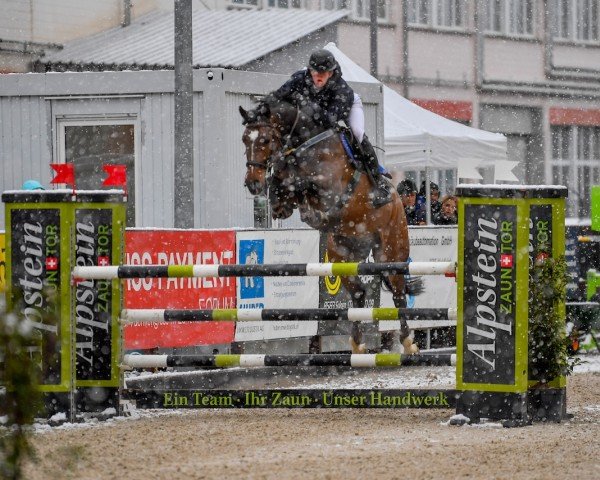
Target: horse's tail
(414,286)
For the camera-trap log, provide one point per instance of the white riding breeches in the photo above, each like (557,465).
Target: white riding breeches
(356,119)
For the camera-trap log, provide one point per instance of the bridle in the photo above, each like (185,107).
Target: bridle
(275,143)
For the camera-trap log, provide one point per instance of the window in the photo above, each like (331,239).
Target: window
(511,17)
(437,13)
(335,4)
(250,3)
(577,20)
(270,3)
(361,9)
(91,144)
(285,4)
(576,164)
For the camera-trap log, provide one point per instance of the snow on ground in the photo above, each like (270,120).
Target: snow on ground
(414,377)
(590,363)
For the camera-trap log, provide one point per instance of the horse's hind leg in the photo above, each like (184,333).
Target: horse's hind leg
(399,295)
(338,250)
(357,292)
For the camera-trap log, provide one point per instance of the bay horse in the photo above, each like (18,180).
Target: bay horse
(303,165)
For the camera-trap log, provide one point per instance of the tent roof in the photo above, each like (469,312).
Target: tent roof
(416,138)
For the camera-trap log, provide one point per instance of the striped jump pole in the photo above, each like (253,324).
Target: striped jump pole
(301,360)
(264,270)
(272,314)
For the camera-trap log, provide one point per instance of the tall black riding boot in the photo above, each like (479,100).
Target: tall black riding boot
(383,194)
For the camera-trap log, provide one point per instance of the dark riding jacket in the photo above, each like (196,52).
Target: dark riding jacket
(330,104)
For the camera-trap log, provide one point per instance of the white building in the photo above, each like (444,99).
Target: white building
(529,69)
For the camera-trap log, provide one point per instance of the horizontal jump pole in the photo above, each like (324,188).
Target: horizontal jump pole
(301,360)
(265,270)
(274,314)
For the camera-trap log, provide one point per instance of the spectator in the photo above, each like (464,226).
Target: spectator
(434,195)
(408,193)
(448,214)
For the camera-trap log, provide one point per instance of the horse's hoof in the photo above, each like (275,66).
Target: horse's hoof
(357,347)
(410,348)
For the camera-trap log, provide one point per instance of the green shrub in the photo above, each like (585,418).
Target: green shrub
(548,354)
(22,399)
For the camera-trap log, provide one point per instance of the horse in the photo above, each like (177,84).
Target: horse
(303,165)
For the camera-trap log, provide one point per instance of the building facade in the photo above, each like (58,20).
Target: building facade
(529,69)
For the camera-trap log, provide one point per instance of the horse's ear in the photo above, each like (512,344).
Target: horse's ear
(244,114)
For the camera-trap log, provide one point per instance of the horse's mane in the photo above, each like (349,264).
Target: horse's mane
(287,113)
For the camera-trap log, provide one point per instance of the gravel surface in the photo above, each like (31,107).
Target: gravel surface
(328,444)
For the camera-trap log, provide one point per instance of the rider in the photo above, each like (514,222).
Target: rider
(321,85)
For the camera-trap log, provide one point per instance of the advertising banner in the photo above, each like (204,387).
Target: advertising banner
(540,232)
(333,295)
(93,302)
(36,288)
(489,296)
(2,262)
(277,247)
(178,247)
(428,244)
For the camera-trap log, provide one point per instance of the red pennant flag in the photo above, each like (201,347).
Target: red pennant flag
(65,173)
(117,175)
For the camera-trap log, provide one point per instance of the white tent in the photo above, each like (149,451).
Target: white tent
(417,139)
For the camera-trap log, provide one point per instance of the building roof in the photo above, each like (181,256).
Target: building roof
(221,38)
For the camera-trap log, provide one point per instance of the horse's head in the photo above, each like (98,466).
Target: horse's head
(262,141)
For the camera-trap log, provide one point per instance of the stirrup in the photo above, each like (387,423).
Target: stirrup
(382,194)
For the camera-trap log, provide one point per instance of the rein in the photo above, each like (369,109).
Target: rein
(311,142)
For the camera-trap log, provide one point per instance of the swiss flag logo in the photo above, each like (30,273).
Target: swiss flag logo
(51,263)
(103,261)
(506,260)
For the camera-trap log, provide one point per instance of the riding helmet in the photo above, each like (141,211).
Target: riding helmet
(406,187)
(322,61)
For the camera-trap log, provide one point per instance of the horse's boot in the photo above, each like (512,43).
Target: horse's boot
(357,347)
(410,348)
(383,189)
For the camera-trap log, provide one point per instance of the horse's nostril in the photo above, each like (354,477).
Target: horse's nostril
(253,187)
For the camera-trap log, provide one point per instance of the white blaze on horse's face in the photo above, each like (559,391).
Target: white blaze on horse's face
(257,152)
(252,136)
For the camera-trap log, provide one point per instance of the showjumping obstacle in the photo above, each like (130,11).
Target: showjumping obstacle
(500,228)
(274,314)
(282,270)
(302,360)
